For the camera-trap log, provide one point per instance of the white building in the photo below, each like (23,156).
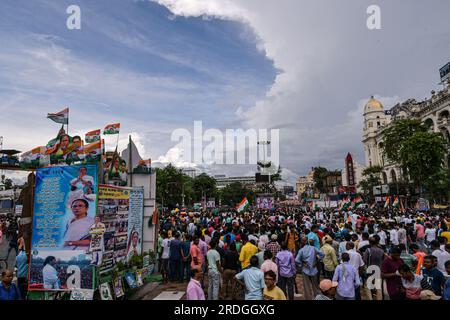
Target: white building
(434,111)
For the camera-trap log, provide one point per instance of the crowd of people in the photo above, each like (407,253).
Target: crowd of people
(369,254)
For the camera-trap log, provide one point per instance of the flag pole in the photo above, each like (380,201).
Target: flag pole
(130,170)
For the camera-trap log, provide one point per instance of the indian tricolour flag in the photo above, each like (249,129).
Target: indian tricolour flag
(396,202)
(345,203)
(357,201)
(92,136)
(60,117)
(242,205)
(388,199)
(112,128)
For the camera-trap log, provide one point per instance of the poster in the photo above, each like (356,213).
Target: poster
(82,294)
(131,280)
(105,291)
(118,287)
(65,205)
(113,209)
(264,202)
(135,221)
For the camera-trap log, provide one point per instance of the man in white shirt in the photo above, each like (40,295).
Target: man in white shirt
(393,236)
(165,257)
(49,274)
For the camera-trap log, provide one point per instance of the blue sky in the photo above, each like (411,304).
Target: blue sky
(132,62)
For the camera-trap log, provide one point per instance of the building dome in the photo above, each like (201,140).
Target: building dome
(373,105)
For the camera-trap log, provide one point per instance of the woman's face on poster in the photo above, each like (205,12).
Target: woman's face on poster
(79,208)
(135,239)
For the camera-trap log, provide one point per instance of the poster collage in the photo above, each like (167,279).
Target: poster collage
(80,227)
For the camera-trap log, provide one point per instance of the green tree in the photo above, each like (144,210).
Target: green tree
(419,152)
(169,185)
(234,192)
(204,184)
(320,174)
(437,186)
(371,178)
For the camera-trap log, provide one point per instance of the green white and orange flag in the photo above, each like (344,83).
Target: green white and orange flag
(396,203)
(242,205)
(60,117)
(112,128)
(92,136)
(357,201)
(388,199)
(345,203)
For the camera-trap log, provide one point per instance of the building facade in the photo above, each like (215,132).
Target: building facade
(305,183)
(434,111)
(222,181)
(352,174)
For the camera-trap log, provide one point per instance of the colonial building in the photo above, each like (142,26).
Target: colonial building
(304,184)
(434,111)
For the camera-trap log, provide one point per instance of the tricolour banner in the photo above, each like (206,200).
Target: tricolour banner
(65,205)
(112,128)
(60,117)
(92,136)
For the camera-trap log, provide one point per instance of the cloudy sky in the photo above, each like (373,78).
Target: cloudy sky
(305,67)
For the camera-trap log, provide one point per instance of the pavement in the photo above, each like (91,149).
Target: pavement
(156,290)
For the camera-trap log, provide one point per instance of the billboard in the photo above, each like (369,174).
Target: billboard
(121,210)
(264,202)
(65,205)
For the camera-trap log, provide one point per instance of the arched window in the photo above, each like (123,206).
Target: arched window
(384,178)
(393,176)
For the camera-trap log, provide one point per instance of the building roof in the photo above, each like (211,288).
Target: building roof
(373,105)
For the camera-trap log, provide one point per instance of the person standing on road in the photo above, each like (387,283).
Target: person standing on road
(286,270)
(330,258)
(194,289)
(307,260)
(214,271)
(347,278)
(252,279)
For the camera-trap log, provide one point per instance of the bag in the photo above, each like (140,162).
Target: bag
(413,293)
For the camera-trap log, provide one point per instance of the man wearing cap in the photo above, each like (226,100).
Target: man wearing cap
(330,258)
(328,290)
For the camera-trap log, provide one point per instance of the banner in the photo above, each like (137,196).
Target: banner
(113,210)
(264,202)
(112,128)
(135,221)
(92,136)
(65,205)
(60,117)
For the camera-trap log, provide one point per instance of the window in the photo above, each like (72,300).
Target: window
(370,124)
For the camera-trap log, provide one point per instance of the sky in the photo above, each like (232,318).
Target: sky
(306,67)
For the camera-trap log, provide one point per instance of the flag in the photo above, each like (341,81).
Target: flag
(92,136)
(345,203)
(396,202)
(92,151)
(402,207)
(357,201)
(387,202)
(243,205)
(60,117)
(112,129)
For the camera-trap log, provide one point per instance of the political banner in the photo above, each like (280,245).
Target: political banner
(135,221)
(113,210)
(65,205)
(264,202)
